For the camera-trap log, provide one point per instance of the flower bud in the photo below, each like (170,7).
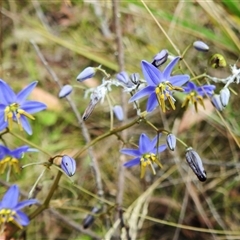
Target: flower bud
(124,79)
(68,165)
(200,46)
(195,163)
(224,96)
(171,141)
(160,58)
(89,219)
(65,91)
(134,77)
(88,72)
(216,101)
(118,111)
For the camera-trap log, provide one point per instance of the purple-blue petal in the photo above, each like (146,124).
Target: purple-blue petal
(24,93)
(132,162)
(144,144)
(161,148)
(3,123)
(17,153)
(152,74)
(22,218)
(10,198)
(25,124)
(131,152)
(25,203)
(4,150)
(33,106)
(142,93)
(179,80)
(167,71)
(152,102)
(7,95)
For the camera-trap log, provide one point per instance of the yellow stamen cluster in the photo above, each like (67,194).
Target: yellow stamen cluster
(11,162)
(194,99)
(14,110)
(7,215)
(148,160)
(163,91)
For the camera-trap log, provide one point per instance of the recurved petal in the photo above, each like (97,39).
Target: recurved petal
(132,162)
(7,95)
(22,218)
(152,75)
(167,71)
(152,102)
(179,80)
(131,152)
(161,148)
(25,124)
(25,203)
(10,199)
(33,106)
(22,95)
(17,153)
(142,93)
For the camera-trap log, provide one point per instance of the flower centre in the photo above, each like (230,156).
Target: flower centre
(194,98)
(164,91)
(8,215)
(11,162)
(14,112)
(148,159)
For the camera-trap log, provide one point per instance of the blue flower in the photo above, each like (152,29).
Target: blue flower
(146,154)
(11,157)
(160,85)
(10,208)
(195,94)
(15,107)
(68,165)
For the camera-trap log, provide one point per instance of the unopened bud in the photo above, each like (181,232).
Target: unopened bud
(195,163)
(160,58)
(87,73)
(224,96)
(200,46)
(68,165)
(135,77)
(89,219)
(118,111)
(124,79)
(65,91)
(171,141)
(217,103)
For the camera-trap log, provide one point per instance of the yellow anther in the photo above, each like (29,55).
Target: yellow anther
(21,111)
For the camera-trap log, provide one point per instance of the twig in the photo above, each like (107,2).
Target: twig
(94,165)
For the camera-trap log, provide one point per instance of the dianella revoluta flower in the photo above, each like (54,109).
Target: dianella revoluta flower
(68,165)
(160,58)
(224,96)
(195,94)
(11,158)
(217,103)
(160,85)
(10,208)
(118,111)
(15,107)
(195,163)
(146,154)
(201,46)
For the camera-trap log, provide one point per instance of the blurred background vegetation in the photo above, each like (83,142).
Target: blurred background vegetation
(74,34)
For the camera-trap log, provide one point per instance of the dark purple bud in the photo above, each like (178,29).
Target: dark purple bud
(65,91)
(171,141)
(87,73)
(135,77)
(68,165)
(89,219)
(217,103)
(160,58)
(224,96)
(200,46)
(195,163)
(118,111)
